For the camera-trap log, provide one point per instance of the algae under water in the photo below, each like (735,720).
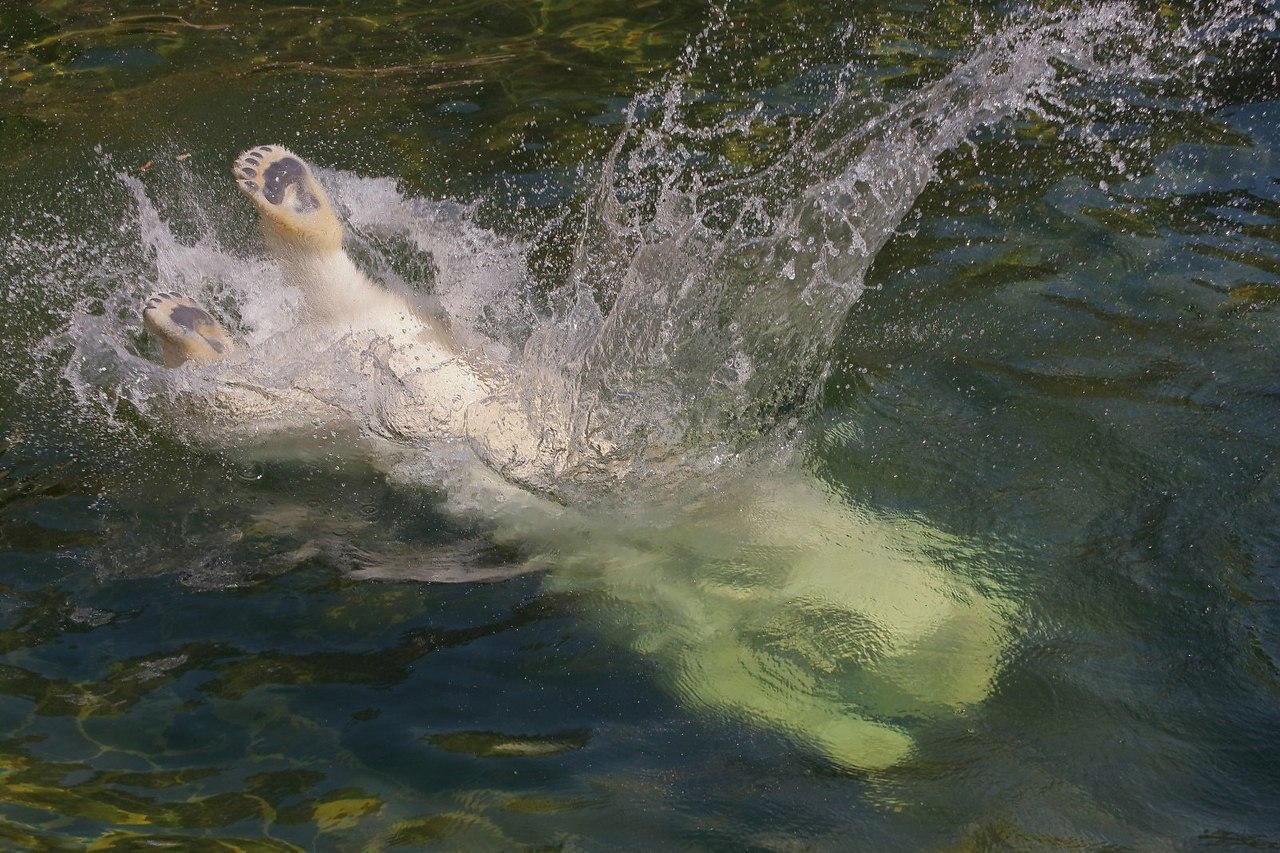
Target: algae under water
(1062,359)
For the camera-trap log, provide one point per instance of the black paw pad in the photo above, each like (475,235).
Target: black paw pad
(188,317)
(283,173)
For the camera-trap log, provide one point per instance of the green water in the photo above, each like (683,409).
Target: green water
(1066,358)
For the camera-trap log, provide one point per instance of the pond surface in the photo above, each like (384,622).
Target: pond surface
(1066,357)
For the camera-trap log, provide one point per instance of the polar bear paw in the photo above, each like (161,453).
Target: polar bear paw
(295,210)
(186,331)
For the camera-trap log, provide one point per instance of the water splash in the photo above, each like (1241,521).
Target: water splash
(707,285)
(703,300)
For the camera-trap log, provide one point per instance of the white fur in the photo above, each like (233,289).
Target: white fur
(770,599)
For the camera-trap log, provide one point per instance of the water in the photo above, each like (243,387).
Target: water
(1042,357)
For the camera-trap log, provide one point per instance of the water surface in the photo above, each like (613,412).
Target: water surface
(1064,356)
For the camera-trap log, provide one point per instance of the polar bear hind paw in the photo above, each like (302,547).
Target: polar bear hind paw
(186,331)
(295,209)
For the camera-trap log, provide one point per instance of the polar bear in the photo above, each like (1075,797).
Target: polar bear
(770,600)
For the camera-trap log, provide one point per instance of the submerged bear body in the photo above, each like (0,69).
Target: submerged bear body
(764,596)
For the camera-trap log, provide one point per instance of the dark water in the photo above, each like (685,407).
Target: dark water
(1065,356)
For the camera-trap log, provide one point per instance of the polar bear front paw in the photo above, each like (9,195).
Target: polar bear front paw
(186,331)
(294,207)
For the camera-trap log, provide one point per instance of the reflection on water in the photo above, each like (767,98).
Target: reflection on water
(1064,360)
